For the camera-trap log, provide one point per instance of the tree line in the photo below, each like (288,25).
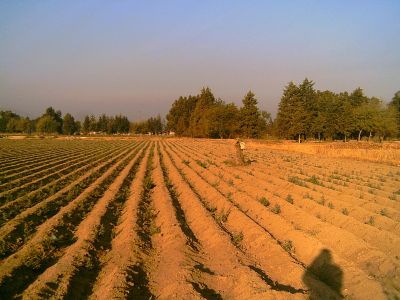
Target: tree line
(308,113)
(303,113)
(52,122)
(204,115)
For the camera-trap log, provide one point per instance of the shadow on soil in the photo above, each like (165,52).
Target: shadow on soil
(325,270)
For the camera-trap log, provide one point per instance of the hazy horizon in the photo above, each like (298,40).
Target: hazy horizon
(137,57)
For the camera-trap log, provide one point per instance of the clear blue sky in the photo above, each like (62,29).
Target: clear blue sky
(136,57)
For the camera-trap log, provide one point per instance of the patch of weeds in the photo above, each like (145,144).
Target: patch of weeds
(289,199)
(186,162)
(321,201)
(330,205)
(201,164)
(229,162)
(314,180)
(296,180)
(211,209)
(230,182)
(276,209)
(370,221)
(215,184)
(288,246)
(383,212)
(229,196)
(393,197)
(237,177)
(237,238)
(307,196)
(345,211)
(371,191)
(223,216)
(264,201)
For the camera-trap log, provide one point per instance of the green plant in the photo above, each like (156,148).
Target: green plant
(383,212)
(330,205)
(288,246)
(237,238)
(296,180)
(186,162)
(314,180)
(201,164)
(370,221)
(345,211)
(307,196)
(276,209)
(264,201)
(289,199)
(223,216)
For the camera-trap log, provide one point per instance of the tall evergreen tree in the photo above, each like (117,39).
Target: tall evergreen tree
(69,126)
(249,117)
(200,118)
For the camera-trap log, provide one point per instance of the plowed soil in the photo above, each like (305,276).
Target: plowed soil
(169,218)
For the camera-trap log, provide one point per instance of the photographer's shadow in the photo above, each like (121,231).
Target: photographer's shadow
(324,270)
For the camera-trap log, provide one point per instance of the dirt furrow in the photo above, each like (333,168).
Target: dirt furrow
(235,278)
(18,231)
(46,245)
(254,210)
(383,240)
(49,167)
(117,270)
(73,275)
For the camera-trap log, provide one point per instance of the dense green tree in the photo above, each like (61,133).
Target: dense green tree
(224,120)
(395,107)
(86,124)
(69,126)
(121,124)
(92,123)
(47,124)
(250,117)
(199,125)
(5,117)
(56,116)
(178,117)
(294,117)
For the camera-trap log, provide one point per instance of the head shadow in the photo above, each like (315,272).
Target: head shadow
(323,277)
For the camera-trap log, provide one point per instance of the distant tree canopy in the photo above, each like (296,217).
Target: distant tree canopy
(153,125)
(305,112)
(205,116)
(106,124)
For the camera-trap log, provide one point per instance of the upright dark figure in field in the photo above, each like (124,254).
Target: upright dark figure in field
(240,146)
(326,271)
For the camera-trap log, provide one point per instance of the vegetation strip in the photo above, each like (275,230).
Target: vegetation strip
(82,282)
(13,208)
(180,215)
(60,236)
(145,229)
(22,229)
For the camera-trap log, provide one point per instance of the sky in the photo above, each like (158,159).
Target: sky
(137,57)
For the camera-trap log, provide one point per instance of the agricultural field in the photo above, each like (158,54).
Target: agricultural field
(179,219)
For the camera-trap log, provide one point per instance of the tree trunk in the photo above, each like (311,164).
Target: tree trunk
(359,135)
(299,139)
(345,138)
(369,137)
(319,136)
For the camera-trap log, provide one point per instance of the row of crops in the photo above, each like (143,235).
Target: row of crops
(175,219)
